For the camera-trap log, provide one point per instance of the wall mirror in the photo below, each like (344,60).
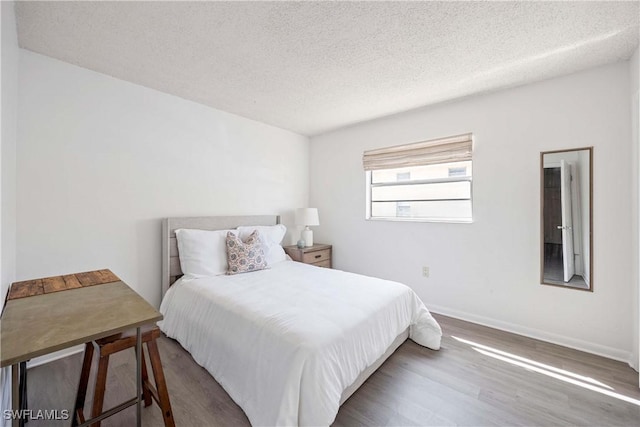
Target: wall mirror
(566,198)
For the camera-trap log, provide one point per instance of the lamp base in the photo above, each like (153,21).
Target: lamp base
(307,236)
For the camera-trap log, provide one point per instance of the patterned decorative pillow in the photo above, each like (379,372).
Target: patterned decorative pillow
(247,256)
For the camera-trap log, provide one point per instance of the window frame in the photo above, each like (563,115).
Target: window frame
(369,187)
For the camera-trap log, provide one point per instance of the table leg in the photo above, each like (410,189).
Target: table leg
(23,394)
(15,393)
(139,356)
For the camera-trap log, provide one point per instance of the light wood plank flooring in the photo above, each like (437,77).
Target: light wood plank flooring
(480,377)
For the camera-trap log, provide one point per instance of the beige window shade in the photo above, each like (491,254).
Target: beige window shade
(443,150)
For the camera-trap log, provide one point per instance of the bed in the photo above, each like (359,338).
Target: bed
(292,342)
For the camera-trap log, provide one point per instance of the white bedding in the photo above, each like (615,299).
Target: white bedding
(285,342)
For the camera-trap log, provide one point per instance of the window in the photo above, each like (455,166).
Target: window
(425,181)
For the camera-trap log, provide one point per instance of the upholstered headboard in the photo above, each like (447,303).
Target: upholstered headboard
(171,270)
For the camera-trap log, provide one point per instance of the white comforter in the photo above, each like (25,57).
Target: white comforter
(285,342)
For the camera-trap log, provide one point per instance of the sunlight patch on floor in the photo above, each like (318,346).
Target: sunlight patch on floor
(533,362)
(550,371)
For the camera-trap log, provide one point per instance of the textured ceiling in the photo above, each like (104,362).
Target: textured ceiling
(315,66)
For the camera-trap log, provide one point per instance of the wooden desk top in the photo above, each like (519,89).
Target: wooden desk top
(48,285)
(48,322)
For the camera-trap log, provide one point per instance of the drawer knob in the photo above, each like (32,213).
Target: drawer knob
(318,256)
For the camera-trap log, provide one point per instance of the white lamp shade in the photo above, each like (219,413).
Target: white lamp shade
(307,216)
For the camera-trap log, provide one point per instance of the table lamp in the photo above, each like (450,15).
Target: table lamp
(307,217)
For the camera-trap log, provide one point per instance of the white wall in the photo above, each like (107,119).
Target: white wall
(488,271)
(8,124)
(9,90)
(634,70)
(101,161)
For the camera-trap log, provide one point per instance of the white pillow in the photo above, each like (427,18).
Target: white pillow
(202,252)
(270,236)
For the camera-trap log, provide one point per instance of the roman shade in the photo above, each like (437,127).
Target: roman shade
(435,151)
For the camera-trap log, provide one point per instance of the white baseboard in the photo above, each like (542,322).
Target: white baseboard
(588,347)
(55,356)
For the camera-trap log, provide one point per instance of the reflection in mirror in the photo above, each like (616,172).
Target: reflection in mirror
(566,218)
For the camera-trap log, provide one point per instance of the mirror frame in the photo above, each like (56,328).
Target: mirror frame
(542,153)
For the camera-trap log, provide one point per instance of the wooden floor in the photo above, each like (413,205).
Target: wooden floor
(480,377)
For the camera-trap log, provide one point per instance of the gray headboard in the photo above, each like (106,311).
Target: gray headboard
(171,262)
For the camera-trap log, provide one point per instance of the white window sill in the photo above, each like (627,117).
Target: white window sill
(440,220)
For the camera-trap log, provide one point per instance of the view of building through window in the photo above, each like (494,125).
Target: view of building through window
(434,192)
(403,209)
(458,171)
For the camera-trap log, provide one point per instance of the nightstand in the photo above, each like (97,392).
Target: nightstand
(318,254)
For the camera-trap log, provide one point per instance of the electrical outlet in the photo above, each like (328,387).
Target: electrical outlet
(425,271)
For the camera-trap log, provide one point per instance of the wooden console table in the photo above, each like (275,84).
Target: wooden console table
(50,314)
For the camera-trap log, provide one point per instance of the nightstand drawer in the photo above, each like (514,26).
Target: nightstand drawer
(317,256)
(326,264)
